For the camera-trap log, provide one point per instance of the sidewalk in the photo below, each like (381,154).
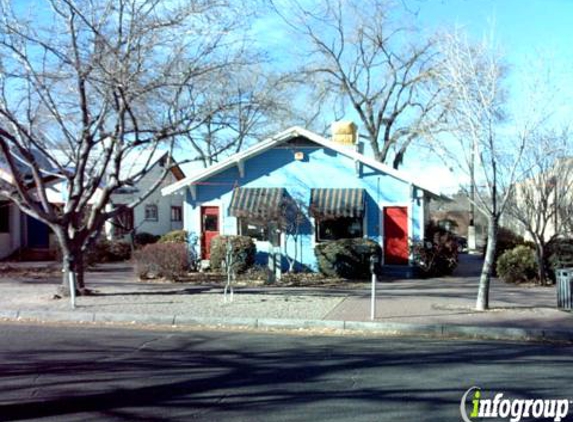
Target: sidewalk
(443,306)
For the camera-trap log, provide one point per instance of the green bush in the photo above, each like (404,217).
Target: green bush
(437,256)
(118,250)
(104,250)
(144,238)
(244,251)
(176,236)
(346,258)
(517,265)
(162,260)
(558,254)
(506,240)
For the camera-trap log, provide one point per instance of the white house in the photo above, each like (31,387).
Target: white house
(156,214)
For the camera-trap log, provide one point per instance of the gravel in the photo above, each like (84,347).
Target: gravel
(171,300)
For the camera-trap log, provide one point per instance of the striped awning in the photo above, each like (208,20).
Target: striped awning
(334,203)
(256,202)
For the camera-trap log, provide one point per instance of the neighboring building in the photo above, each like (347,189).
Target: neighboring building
(344,193)
(18,230)
(156,214)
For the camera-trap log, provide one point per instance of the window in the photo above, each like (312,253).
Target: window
(151,213)
(4,217)
(256,230)
(176,214)
(339,228)
(123,222)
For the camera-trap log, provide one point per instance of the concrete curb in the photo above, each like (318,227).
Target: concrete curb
(382,328)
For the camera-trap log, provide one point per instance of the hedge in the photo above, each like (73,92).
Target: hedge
(175,236)
(244,251)
(346,258)
(162,260)
(517,265)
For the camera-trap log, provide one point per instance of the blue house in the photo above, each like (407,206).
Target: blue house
(331,189)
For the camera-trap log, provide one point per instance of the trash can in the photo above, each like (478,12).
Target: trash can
(564,278)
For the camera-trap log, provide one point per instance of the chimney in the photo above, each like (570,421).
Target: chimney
(344,133)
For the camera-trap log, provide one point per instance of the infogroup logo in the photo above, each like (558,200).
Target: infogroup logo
(515,410)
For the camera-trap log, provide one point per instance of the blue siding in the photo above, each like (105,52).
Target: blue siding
(321,168)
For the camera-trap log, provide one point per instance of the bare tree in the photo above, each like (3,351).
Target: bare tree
(361,60)
(539,202)
(86,86)
(473,75)
(244,104)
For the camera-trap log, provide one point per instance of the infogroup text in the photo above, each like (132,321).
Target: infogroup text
(476,405)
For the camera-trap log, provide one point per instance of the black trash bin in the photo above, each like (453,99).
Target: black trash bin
(564,278)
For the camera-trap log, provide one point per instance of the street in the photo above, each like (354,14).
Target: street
(80,373)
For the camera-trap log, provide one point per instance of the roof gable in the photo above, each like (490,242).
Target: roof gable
(281,138)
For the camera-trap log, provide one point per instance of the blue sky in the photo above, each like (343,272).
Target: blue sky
(534,37)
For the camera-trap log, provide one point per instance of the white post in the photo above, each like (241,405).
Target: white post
(72,278)
(373,298)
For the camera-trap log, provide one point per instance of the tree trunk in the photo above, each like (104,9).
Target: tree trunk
(67,268)
(540,255)
(482,302)
(72,261)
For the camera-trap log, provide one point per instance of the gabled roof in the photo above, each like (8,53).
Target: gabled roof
(140,160)
(293,132)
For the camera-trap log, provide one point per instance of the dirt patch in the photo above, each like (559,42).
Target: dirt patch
(37,272)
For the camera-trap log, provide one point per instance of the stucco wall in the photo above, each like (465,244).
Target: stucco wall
(321,168)
(164,204)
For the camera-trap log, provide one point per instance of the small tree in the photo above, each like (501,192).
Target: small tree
(540,202)
(484,149)
(86,87)
(360,60)
(291,222)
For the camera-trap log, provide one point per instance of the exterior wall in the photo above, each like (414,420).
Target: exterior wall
(11,241)
(320,168)
(164,203)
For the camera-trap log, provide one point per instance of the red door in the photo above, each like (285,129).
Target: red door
(209,229)
(396,236)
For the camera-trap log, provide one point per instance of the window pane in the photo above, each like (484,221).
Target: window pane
(151,212)
(210,223)
(255,230)
(339,228)
(176,214)
(4,217)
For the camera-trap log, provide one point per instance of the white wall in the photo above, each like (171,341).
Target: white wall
(164,203)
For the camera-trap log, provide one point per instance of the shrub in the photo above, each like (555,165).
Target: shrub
(144,238)
(346,258)
(558,254)
(243,248)
(167,260)
(438,255)
(506,240)
(517,265)
(104,250)
(117,250)
(176,236)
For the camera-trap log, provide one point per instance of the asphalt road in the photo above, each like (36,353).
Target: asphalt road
(115,374)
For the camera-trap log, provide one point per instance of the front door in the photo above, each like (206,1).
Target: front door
(209,229)
(38,234)
(396,236)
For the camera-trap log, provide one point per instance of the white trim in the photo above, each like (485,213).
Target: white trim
(283,137)
(422,218)
(241,168)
